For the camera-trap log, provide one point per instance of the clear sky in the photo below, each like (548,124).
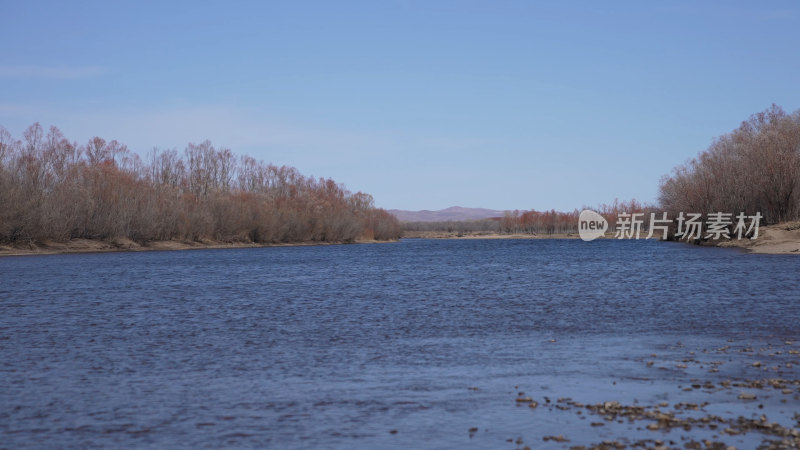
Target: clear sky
(424,104)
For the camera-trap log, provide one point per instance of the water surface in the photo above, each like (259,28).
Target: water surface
(337,346)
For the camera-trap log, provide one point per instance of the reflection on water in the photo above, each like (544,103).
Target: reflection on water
(337,346)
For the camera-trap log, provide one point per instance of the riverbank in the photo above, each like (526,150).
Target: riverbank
(127,245)
(778,239)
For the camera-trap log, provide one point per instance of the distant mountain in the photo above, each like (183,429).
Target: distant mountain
(442,215)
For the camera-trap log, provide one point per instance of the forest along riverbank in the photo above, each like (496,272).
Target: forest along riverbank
(127,245)
(778,239)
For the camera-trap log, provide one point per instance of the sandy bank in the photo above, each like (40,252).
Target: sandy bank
(127,245)
(783,238)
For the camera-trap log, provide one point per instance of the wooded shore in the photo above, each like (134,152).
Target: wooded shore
(126,245)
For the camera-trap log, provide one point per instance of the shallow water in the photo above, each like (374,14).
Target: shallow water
(337,346)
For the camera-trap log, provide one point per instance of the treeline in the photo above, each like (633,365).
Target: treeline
(755,168)
(456,226)
(535,222)
(539,222)
(561,222)
(512,222)
(611,212)
(54,189)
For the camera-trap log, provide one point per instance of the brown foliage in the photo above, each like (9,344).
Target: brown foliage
(540,222)
(755,168)
(54,189)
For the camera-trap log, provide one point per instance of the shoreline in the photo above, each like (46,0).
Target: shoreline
(75,246)
(485,235)
(778,239)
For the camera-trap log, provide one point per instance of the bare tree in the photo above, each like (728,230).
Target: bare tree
(51,188)
(755,168)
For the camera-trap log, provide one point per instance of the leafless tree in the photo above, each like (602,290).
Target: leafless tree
(53,189)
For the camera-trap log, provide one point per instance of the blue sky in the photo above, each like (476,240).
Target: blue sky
(424,104)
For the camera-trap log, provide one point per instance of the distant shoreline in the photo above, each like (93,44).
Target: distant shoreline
(779,239)
(486,235)
(127,245)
